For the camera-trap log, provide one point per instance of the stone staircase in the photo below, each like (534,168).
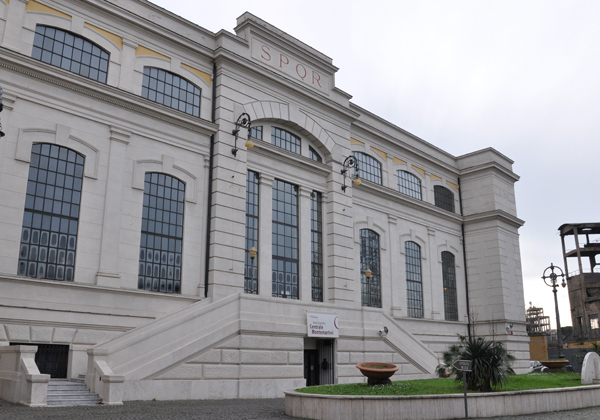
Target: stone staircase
(71,392)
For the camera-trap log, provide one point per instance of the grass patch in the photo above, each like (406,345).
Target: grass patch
(448,385)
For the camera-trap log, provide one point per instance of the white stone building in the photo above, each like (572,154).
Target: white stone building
(126,220)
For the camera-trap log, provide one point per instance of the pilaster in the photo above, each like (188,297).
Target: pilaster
(127,65)
(304,245)
(14,24)
(265,239)
(108,273)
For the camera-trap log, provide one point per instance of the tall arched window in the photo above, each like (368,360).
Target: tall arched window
(70,52)
(409,184)
(414,280)
(369,168)
(162,234)
(285,240)
(369,260)
(444,198)
(171,90)
(51,218)
(449,277)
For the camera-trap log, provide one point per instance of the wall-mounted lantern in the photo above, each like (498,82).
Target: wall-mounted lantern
(350,163)
(243,121)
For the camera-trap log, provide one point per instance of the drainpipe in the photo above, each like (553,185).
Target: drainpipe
(462,228)
(210,179)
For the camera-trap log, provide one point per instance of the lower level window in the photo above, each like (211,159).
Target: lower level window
(162,234)
(285,240)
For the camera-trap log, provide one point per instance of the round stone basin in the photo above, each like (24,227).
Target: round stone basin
(555,364)
(377,373)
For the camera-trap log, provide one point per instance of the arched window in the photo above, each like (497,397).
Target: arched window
(449,276)
(368,167)
(171,90)
(49,235)
(312,153)
(414,280)
(444,198)
(409,184)
(162,234)
(369,260)
(285,140)
(70,52)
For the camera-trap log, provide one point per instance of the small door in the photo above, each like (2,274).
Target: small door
(311,367)
(51,359)
(326,361)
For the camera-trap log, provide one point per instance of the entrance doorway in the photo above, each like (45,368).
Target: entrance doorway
(51,359)
(319,363)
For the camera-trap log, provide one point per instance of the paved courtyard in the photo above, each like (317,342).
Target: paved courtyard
(271,409)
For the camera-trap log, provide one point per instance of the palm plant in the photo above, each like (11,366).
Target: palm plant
(490,362)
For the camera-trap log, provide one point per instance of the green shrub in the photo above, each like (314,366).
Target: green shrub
(490,362)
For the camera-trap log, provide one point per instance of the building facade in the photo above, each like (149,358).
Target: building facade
(130,202)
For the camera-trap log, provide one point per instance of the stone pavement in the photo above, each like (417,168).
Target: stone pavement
(271,409)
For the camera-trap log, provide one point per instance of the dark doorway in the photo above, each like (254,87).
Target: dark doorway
(51,359)
(326,364)
(311,367)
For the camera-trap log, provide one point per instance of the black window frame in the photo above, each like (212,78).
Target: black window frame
(71,52)
(159,85)
(286,140)
(252,232)
(369,168)
(449,282)
(256,132)
(316,241)
(370,259)
(285,254)
(168,253)
(49,233)
(443,198)
(409,184)
(314,155)
(414,280)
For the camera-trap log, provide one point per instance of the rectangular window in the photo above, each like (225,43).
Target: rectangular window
(285,240)
(316,231)
(251,264)
(414,284)
(594,322)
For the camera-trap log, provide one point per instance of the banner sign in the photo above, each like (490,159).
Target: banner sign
(322,325)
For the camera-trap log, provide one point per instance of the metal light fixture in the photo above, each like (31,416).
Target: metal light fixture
(368,273)
(252,252)
(1,108)
(350,163)
(383,332)
(243,121)
(551,281)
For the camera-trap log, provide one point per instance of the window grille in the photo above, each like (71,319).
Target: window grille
(285,240)
(162,234)
(368,167)
(70,52)
(314,155)
(444,198)
(414,281)
(171,90)
(51,217)
(285,140)
(251,267)
(409,184)
(369,260)
(449,278)
(256,132)
(316,230)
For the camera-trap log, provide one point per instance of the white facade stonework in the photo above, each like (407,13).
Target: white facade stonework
(212,340)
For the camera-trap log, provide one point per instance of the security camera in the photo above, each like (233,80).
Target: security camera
(383,332)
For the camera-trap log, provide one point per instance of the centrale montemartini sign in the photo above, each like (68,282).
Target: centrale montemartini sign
(322,325)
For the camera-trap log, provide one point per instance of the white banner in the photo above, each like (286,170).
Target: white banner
(322,325)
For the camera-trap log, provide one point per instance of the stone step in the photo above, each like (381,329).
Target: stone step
(56,392)
(72,396)
(95,401)
(72,392)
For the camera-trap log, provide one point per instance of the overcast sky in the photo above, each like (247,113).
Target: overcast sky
(520,76)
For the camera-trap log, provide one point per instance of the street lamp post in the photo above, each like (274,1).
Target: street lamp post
(552,280)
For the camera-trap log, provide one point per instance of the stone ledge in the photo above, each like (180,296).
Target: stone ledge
(439,407)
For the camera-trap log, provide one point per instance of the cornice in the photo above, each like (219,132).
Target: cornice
(490,166)
(361,196)
(396,142)
(491,215)
(99,91)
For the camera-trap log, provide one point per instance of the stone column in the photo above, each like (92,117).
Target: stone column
(14,24)
(108,273)
(265,240)
(304,243)
(432,285)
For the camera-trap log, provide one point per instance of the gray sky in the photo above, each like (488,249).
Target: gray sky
(520,76)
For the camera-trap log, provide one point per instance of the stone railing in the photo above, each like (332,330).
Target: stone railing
(20,380)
